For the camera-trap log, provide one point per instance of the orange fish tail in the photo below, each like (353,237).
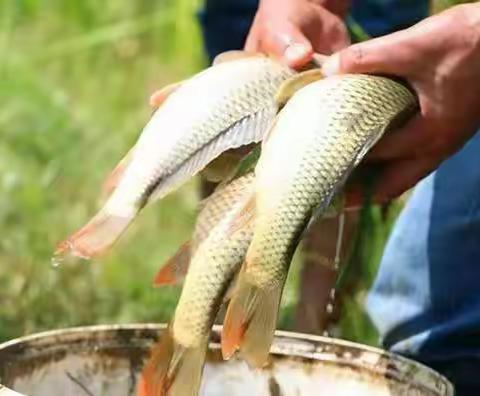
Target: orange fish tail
(172,369)
(250,322)
(95,237)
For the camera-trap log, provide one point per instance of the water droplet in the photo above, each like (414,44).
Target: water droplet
(56,261)
(338,248)
(329,308)
(332,294)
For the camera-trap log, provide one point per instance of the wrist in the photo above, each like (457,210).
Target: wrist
(337,7)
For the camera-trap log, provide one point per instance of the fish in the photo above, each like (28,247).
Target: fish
(226,106)
(211,212)
(318,138)
(176,361)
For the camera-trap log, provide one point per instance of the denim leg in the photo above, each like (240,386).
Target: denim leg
(425,301)
(225,24)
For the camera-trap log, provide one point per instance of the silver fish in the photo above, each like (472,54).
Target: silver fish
(318,138)
(228,105)
(176,362)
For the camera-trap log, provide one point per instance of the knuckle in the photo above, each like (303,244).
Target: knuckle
(356,55)
(467,26)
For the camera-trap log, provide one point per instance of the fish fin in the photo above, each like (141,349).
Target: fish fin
(245,216)
(111,182)
(95,237)
(176,267)
(231,288)
(223,166)
(249,129)
(293,84)
(159,97)
(234,55)
(250,322)
(172,369)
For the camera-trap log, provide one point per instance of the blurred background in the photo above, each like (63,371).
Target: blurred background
(75,77)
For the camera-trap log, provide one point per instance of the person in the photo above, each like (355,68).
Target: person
(426,299)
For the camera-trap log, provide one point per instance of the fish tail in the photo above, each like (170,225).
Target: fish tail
(250,322)
(172,369)
(95,237)
(175,269)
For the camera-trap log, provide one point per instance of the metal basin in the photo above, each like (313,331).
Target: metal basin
(106,360)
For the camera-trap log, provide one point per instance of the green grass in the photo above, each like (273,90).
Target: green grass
(74,84)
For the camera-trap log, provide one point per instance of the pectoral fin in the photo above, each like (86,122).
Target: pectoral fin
(176,268)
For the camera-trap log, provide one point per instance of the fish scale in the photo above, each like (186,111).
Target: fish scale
(226,106)
(338,135)
(210,273)
(320,135)
(218,250)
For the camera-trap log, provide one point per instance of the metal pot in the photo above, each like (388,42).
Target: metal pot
(106,360)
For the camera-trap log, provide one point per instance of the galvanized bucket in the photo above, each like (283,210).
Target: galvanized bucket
(106,360)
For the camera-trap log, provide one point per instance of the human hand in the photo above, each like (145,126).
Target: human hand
(294,29)
(440,58)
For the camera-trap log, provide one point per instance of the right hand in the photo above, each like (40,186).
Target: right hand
(440,58)
(293,30)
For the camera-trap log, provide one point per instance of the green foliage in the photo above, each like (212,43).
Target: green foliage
(75,77)
(439,5)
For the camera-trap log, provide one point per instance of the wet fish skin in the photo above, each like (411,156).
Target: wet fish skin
(176,362)
(226,106)
(319,137)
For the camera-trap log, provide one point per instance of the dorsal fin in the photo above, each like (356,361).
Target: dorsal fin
(230,56)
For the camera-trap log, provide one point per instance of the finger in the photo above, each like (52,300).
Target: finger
(252,42)
(412,140)
(329,36)
(395,179)
(389,54)
(289,44)
(401,176)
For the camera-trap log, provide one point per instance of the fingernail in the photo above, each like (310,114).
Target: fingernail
(331,65)
(295,52)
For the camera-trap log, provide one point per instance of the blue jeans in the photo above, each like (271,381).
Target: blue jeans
(426,299)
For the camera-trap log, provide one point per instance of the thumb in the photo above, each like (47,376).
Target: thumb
(383,55)
(289,44)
